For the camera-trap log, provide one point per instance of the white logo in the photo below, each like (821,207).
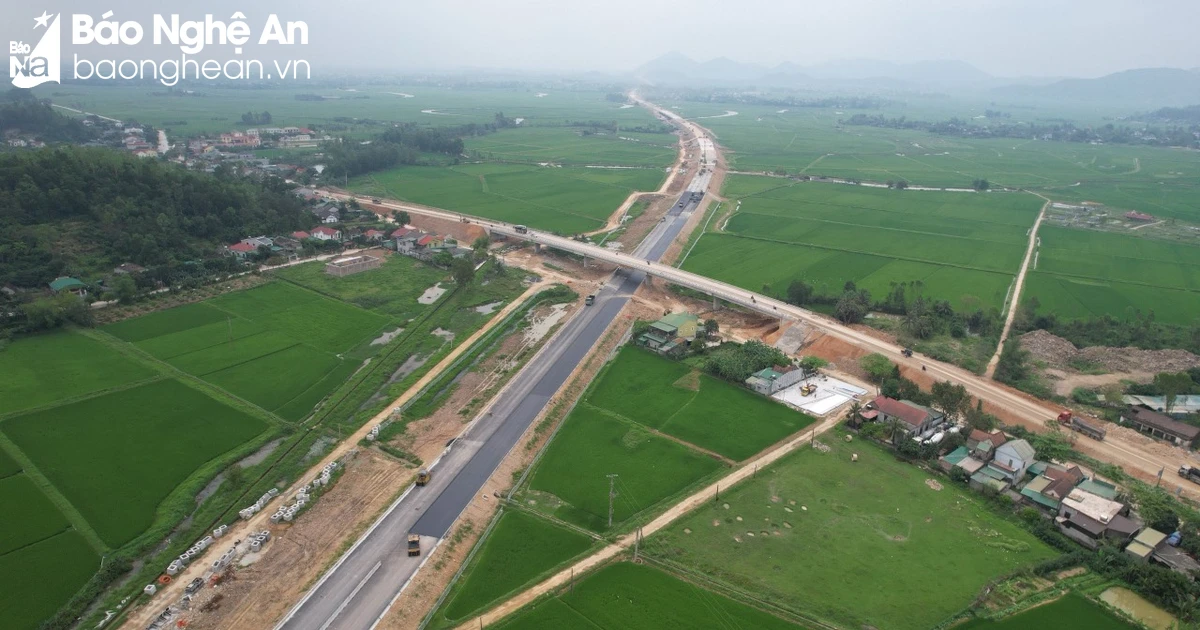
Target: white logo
(29,68)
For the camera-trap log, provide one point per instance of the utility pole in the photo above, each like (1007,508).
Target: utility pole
(612,494)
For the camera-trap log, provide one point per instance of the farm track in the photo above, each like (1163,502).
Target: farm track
(1015,301)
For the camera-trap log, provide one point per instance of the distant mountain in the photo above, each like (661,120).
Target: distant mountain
(1144,87)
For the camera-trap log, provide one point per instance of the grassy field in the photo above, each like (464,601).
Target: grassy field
(961,247)
(520,548)
(37,579)
(116,457)
(45,369)
(1082,274)
(391,290)
(821,535)
(1072,612)
(715,415)
(635,597)
(566,200)
(271,345)
(215,109)
(592,444)
(561,145)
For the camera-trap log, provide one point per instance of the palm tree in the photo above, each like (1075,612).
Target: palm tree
(855,410)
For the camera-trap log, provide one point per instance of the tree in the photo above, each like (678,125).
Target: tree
(1012,366)
(799,292)
(401,217)
(235,475)
(463,271)
(480,247)
(1051,446)
(812,364)
(125,289)
(980,185)
(711,328)
(950,399)
(919,319)
(877,367)
(57,311)
(853,306)
(1114,394)
(1172,384)
(853,413)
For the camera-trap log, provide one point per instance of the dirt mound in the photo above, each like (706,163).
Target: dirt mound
(1060,353)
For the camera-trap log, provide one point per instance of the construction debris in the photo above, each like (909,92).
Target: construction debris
(1059,353)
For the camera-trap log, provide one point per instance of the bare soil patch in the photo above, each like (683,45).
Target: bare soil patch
(1059,353)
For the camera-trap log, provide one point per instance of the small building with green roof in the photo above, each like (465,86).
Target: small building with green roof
(67,283)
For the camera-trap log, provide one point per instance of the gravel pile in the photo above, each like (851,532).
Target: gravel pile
(1059,353)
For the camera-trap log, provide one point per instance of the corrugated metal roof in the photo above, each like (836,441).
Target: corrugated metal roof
(1099,488)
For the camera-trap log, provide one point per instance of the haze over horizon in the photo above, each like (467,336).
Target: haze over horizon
(616,36)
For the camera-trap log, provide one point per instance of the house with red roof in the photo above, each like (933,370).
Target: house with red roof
(374,235)
(324,233)
(241,250)
(913,418)
(300,235)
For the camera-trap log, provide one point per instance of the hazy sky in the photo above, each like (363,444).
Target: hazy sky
(1002,37)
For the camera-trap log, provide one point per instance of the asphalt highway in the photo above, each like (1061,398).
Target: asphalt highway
(359,589)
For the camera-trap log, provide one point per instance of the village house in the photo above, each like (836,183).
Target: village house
(1088,519)
(300,235)
(1011,460)
(327,213)
(69,284)
(1051,485)
(239,139)
(288,243)
(960,458)
(767,381)
(671,333)
(982,445)
(1162,427)
(374,235)
(1154,546)
(914,419)
(323,233)
(242,250)
(352,264)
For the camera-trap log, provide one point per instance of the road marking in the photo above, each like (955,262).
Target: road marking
(346,602)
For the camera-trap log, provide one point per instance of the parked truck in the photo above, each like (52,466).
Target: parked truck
(520,229)
(1089,428)
(589,300)
(423,477)
(1190,473)
(414,545)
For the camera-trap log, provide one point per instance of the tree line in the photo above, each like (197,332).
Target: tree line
(21,111)
(1062,131)
(407,143)
(76,210)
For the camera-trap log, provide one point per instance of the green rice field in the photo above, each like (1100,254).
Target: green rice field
(37,579)
(390,290)
(625,596)
(569,145)
(824,536)
(116,457)
(1071,612)
(710,413)
(962,247)
(45,369)
(271,345)
(571,477)
(567,200)
(520,548)
(36,519)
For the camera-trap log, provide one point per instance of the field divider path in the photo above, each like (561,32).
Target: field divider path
(240,529)
(60,501)
(745,471)
(1015,302)
(82,397)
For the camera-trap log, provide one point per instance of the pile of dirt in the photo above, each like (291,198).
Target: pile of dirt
(1059,353)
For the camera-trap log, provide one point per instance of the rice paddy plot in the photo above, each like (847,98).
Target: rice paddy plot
(520,548)
(576,146)
(44,369)
(567,200)
(592,444)
(273,380)
(117,457)
(819,534)
(696,408)
(769,267)
(38,579)
(1071,612)
(28,515)
(392,289)
(625,596)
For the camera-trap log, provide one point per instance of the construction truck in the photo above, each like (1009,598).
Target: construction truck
(907,352)
(1189,472)
(807,390)
(414,545)
(423,477)
(520,229)
(589,300)
(1090,428)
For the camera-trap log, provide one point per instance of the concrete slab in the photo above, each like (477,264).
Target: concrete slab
(829,396)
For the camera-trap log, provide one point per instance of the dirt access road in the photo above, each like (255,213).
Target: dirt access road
(1015,302)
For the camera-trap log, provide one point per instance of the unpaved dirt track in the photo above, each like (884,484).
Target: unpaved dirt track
(1014,302)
